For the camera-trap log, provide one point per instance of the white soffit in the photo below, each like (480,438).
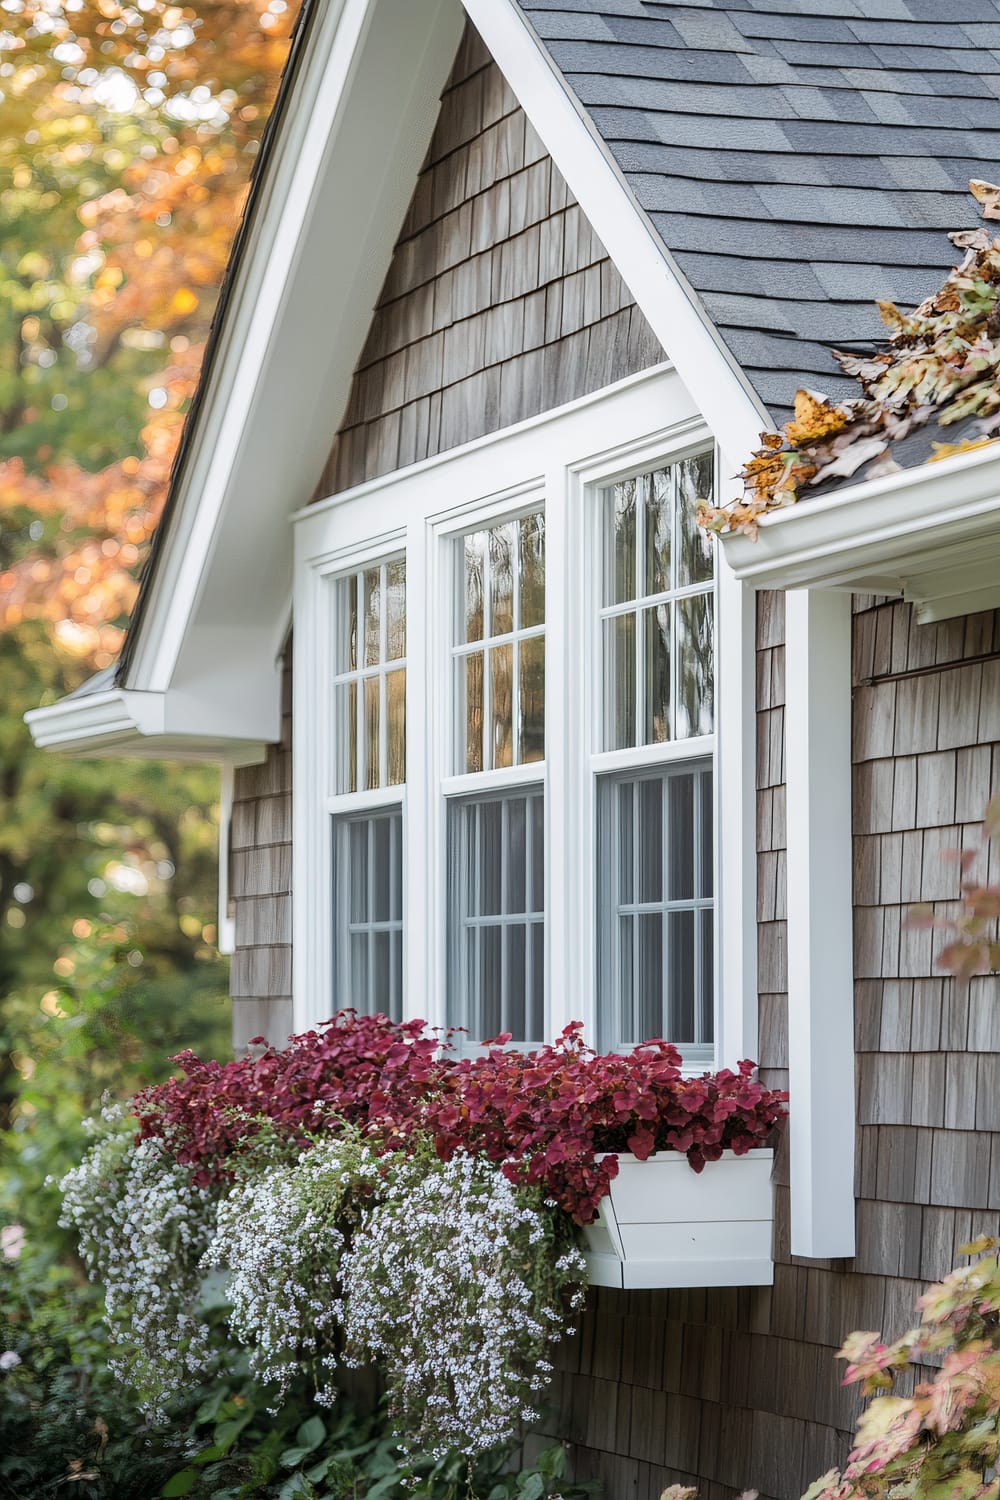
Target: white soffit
(929,534)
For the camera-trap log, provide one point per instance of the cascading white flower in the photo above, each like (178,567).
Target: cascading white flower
(281,1233)
(143,1228)
(455,1285)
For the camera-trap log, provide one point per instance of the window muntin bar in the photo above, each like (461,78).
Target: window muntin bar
(370,680)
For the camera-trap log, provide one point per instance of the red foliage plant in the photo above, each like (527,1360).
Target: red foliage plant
(556,1116)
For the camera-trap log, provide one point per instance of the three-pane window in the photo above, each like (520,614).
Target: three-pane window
(482,763)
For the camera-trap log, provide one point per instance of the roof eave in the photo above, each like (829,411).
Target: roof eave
(123,723)
(930,534)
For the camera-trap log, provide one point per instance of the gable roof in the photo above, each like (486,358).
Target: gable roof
(799,158)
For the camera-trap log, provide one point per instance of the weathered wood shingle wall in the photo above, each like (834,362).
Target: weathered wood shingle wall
(261,973)
(730,1388)
(500,302)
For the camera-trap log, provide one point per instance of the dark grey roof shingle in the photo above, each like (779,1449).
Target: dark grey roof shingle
(799,158)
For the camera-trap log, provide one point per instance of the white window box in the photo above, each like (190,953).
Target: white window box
(664,1225)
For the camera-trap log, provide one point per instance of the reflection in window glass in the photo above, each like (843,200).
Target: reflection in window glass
(658,607)
(370,685)
(500,653)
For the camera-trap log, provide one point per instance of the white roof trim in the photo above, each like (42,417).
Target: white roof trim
(930,534)
(669,304)
(119,722)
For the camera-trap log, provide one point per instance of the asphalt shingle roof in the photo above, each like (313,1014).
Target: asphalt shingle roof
(799,158)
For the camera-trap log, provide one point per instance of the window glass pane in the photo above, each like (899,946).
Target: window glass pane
(395,701)
(372,740)
(654,933)
(619,682)
(656,674)
(471,680)
(368,911)
(649,838)
(695,666)
(620,560)
(681,849)
(348,658)
(501,693)
(532,565)
(346,736)
(395,603)
(697,550)
(503,558)
(496,918)
(531,700)
(373,606)
(658,522)
(473,554)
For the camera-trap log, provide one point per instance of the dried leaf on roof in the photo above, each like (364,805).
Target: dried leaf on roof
(941,363)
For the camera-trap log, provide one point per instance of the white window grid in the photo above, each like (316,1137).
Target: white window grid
(338,534)
(475,928)
(356,773)
(640,607)
(696,1047)
(463,652)
(365,942)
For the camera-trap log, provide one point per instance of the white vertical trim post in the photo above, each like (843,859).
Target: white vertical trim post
(820,922)
(227,921)
(736,820)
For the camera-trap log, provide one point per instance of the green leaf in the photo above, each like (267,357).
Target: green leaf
(311,1433)
(294,1456)
(531,1487)
(181,1483)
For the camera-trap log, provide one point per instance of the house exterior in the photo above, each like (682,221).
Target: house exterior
(508,740)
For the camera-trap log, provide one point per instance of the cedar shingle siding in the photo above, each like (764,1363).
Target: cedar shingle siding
(261,971)
(500,302)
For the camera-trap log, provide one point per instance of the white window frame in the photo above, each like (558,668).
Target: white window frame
(564,458)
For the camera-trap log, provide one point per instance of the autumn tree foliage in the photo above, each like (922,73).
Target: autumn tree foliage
(128,137)
(128,134)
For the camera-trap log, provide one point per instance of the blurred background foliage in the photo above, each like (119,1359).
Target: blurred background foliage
(127,138)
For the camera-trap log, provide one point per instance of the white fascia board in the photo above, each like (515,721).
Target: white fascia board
(912,533)
(121,722)
(337,187)
(666,299)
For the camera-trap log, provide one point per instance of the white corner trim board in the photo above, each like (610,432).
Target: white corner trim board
(663,1225)
(820,922)
(930,534)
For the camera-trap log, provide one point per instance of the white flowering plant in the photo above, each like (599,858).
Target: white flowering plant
(281,1233)
(458,1283)
(143,1227)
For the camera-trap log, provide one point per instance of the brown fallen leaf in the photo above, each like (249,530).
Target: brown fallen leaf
(987,195)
